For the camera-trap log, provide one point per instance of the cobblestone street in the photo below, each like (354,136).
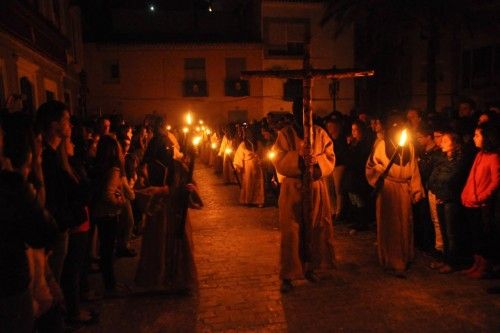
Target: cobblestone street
(237,253)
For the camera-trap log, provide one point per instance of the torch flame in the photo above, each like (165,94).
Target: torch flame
(196,140)
(403,138)
(169,127)
(189,118)
(228,151)
(271,155)
(214,146)
(185,130)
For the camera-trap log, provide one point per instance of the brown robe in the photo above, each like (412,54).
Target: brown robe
(394,206)
(252,180)
(322,255)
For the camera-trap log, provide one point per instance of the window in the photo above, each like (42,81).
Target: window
(195,84)
(234,86)
(286,37)
(111,71)
(481,67)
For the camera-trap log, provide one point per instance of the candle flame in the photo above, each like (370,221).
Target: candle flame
(189,118)
(201,122)
(271,155)
(169,127)
(185,130)
(228,151)
(214,146)
(196,140)
(208,131)
(403,138)
(197,128)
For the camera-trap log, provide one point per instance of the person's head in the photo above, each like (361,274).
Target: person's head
(108,154)
(450,142)
(18,143)
(333,127)
(438,131)
(414,117)
(486,116)
(486,137)
(358,130)
(465,108)
(266,133)
(424,136)
(104,126)
(376,125)
(53,119)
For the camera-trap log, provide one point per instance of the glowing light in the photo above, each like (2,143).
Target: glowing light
(403,138)
(198,128)
(169,127)
(185,130)
(202,128)
(196,140)
(271,155)
(208,131)
(152,8)
(214,146)
(210,8)
(200,122)
(189,118)
(228,151)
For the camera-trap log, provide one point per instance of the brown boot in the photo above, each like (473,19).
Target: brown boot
(481,271)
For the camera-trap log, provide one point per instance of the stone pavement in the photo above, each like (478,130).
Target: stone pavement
(237,253)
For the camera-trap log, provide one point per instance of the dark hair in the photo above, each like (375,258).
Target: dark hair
(489,131)
(18,138)
(362,127)
(455,137)
(49,112)
(108,154)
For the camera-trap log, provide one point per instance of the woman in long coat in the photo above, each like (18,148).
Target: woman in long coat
(401,188)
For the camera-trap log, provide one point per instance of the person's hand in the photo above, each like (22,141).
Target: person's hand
(310,160)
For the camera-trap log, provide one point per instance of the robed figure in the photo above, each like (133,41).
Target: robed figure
(400,189)
(304,252)
(166,259)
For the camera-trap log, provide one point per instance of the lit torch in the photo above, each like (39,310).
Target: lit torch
(271,155)
(228,151)
(399,149)
(189,118)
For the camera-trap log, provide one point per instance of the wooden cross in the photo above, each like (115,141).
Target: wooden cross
(307,74)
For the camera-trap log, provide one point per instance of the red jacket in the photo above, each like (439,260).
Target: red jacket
(483,180)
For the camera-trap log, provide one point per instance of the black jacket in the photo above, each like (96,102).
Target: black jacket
(427,161)
(22,221)
(448,178)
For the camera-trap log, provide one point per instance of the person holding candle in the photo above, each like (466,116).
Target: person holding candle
(400,188)
(247,160)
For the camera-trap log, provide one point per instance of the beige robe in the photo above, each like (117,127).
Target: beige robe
(320,240)
(394,206)
(227,169)
(252,180)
